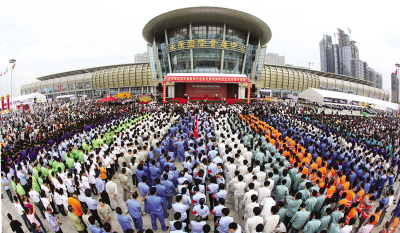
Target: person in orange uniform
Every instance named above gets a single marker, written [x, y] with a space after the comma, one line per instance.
[351, 196]
[74, 202]
[394, 225]
[353, 213]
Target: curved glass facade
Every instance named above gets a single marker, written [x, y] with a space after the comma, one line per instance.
[206, 48]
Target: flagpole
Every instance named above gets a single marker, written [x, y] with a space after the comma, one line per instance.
[12, 61]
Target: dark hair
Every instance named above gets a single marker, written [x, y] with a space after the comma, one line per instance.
[107, 226]
[225, 211]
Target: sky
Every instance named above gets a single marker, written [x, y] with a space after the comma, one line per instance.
[48, 37]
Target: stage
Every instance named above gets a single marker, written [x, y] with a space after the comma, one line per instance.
[184, 101]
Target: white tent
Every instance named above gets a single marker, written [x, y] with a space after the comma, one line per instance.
[29, 98]
[65, 96]
[325, 96]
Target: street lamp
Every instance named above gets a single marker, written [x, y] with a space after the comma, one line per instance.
[397, 88]
[12, 61]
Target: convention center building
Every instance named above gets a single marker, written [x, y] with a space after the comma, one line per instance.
[202, 52]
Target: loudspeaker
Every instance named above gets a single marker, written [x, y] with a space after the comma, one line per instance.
[159, 87]
[253, 89]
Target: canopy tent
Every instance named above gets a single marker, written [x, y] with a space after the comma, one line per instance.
[107, 99]
[65, 96]
[29, 98]
[325, 96]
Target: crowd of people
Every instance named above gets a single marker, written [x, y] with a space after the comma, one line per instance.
[263, 167]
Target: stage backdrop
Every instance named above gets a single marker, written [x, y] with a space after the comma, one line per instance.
[210, 89]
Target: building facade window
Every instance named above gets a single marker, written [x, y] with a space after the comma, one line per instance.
[88, 85]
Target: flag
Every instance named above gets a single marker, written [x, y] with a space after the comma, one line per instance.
[196, 128]
[395, 72]
[1, 74]
[13, 66]
[6, 71]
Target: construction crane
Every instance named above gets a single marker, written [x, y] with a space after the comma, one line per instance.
[309, 63]
[350, 31]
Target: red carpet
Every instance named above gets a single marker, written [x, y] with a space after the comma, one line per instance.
[228, 100]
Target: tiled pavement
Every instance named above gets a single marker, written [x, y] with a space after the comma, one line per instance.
[67, 226]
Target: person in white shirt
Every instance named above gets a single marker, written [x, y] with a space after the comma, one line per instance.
[264, 192]
[34, 195]
[248, 194]
[271, 221]
[267, 203]
[252, 222]
[58, 201]
[238, 192]
[248, 208]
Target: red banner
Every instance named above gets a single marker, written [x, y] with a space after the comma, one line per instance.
[2, 103]
[248, 92]
[196, 127]
[164, 93]
[218, 79]
[8, 102]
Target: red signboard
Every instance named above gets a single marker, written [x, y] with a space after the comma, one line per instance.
[206, 89]
[164, 97]
[248, 92]
[219, 79]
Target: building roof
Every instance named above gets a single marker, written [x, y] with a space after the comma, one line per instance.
[207, 15]
[328, 75]
[83, 71]
[317, 95]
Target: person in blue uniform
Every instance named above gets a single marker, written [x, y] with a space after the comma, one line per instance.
[135, 211]
[155, 172]
[180, 149]
[155, 209]
[144, 191]
[161, 193]
[169, 190]
[123, 220]
[92, 227]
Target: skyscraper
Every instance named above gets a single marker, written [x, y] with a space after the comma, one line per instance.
[274, 59]
[358, 68]
[344, 58]
[395, 88]
[378, 80]
[326, 54]
[141, 57]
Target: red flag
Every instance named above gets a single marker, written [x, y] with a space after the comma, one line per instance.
[196, 128]
[395, 72]
[13, 66]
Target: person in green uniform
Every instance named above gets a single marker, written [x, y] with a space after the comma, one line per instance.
[300, 218]
[325, 219]
[293, 204]
[20, 189]
[313, 225]
[335, 227]
[70, 162]
[43, 169]
[35, 170]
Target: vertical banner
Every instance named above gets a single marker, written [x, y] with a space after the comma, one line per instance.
[248, 92]
[2, 103]
[8, 102]
[164, 92]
